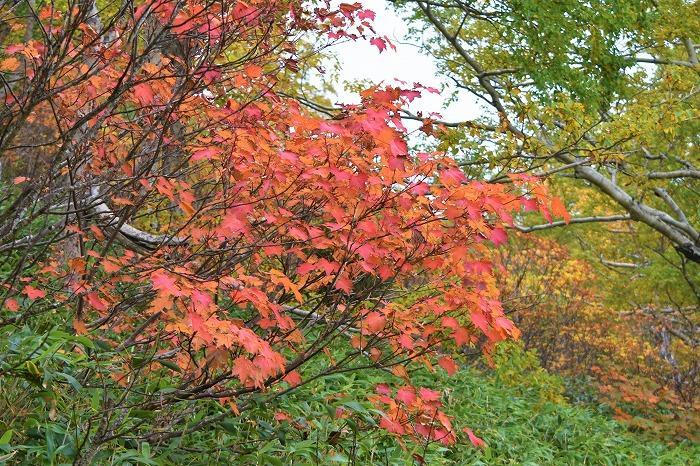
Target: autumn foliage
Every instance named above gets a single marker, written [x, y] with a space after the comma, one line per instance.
[556, 301]
[200, 223]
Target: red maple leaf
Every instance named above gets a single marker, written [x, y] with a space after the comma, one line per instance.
[476, 441]
[448, 364]
[33, 293]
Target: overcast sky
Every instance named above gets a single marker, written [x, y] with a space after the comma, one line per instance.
[361, 60]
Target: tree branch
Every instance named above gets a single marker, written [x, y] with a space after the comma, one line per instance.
[674, 174]
[559, 223]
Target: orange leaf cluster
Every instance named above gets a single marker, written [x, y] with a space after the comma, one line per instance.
[262, 219]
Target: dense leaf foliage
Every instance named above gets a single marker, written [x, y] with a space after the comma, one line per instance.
[200, 226]
[600, 98]
[198, 259]
[559, 305]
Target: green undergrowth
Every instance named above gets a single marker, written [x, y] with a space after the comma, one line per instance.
[518, 409]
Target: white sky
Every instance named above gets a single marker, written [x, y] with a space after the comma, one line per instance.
[362, 61]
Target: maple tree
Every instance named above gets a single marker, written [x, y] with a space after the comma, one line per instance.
[187, 220]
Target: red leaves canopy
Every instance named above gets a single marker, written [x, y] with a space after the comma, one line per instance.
[264, 217]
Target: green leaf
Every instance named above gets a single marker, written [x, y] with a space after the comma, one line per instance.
[71, 380]
[6, 437]
[170, 365]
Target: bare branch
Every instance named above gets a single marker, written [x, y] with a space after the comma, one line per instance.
[624, 265]
[662, 61]
[559, 223]
[672, 204]
[674, 174]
